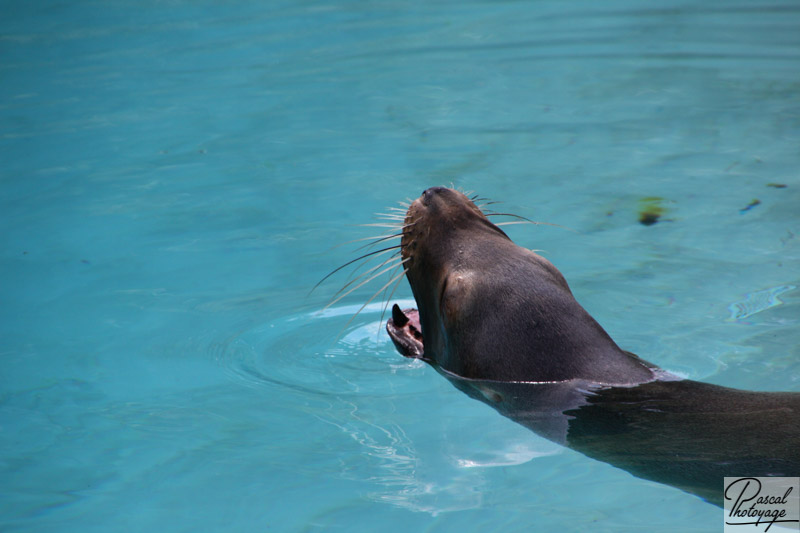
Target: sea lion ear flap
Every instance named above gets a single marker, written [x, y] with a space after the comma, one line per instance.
[456, 295]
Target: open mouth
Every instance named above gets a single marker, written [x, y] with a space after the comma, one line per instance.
[405, 331]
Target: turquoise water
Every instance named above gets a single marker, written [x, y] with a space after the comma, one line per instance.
[175, 174]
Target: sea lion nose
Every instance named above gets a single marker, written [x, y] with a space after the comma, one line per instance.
[428, 194]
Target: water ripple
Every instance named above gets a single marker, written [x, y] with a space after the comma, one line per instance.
[414, 441]
[758, 301]
[308, 353]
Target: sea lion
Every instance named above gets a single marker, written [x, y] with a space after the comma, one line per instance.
[500, 322]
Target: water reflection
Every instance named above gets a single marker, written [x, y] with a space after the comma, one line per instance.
[682, 433]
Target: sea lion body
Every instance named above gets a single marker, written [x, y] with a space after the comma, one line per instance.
[490, 309]
[501, 323]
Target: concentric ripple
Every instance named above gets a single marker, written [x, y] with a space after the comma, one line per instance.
[411, 438]
[310, 352]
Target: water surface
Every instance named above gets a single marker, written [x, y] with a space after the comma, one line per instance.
[174, 175]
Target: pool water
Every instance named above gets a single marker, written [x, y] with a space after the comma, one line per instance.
[176, 175]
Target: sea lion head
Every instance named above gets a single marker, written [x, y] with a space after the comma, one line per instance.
[446, 241]
[489, 309]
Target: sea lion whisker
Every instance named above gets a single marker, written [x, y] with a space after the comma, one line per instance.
[374, 252]
[536, 224]
[396, 278]
[391, 214]
[524, 220]
[398, 227]
[390, 259]
[389, 298]
[364, 283]
[355, 275]
[496, 214]
[378, 237]
[379, 225]
[376, 240]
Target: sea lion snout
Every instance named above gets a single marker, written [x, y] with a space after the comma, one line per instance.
[428, 194]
